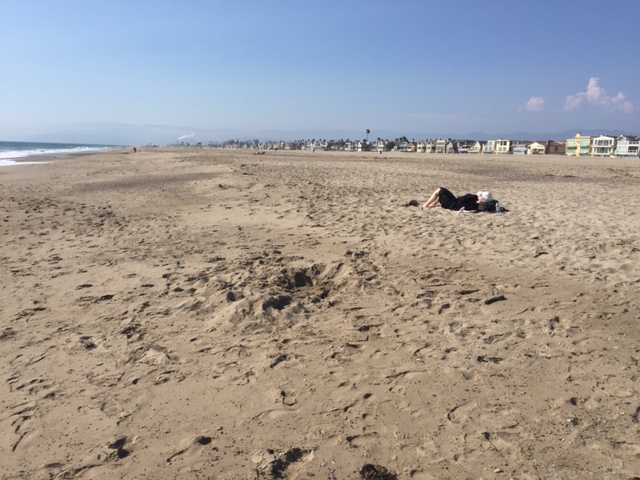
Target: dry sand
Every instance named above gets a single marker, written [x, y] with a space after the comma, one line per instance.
[198, 314]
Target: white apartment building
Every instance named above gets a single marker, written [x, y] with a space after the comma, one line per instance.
[627, 146]
[603, 146]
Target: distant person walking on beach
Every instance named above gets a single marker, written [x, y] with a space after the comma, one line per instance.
[481, 202]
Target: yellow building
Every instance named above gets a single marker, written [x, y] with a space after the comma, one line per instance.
[578, 146]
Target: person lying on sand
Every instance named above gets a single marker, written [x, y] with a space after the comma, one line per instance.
[481, 202]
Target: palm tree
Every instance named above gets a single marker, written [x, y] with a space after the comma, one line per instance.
[368, 132]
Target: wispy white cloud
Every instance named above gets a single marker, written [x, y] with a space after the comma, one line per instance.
[535, 104]
[596, 95]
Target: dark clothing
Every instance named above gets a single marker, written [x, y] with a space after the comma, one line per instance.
[449, 201]
[468, 201]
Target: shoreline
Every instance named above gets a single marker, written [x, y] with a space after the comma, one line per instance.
[44, 156]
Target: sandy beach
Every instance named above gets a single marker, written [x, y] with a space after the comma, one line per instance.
[196, 314]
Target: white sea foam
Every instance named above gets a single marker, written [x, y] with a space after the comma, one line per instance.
[53, 152]
[10, 163]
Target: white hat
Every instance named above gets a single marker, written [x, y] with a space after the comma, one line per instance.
[485, 196]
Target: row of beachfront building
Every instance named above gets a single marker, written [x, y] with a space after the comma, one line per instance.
[580, 145]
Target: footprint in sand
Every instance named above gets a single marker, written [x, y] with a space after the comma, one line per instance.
[193, 447]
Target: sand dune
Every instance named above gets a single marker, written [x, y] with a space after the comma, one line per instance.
[214, 314]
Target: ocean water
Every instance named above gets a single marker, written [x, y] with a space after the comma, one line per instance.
[20, 153]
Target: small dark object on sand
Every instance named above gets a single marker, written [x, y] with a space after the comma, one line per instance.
[412, 203]
[376, 472]
[499, 298]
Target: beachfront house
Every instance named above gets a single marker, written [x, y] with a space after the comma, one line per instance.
[503, 146]
[411, 147]
[477, 147]
[348, 146]
[381, 145]
[603, 146]
[519, 147]
[548, 147]
[578, 146]
[555, 148]
[536, 148]
[489, 147]
[464, 146]
[627, 146]
[497, 146]
[426, 146]
[445, 146]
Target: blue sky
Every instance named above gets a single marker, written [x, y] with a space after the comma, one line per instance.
[454, 66]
